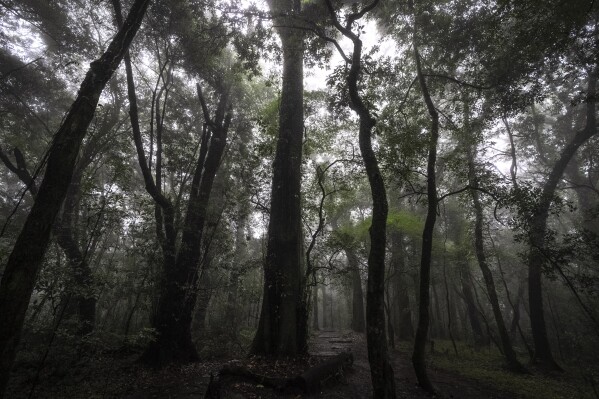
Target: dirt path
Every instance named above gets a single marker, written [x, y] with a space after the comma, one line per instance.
[356, 383]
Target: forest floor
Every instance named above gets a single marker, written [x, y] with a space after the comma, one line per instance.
[118, 375]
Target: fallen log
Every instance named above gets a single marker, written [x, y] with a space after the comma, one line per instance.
[309, 382]
[237, 370]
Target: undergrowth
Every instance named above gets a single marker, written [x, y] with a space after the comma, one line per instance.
[487, 366]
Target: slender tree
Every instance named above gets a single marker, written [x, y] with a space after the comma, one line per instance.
[506, 343]
[383, 380]
[358, 322]
[419, 354]
[401, 304]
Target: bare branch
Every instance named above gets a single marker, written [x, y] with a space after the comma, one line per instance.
[457, 81]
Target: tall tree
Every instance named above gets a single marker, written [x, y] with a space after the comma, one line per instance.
[282, 329]
[419, 354]
[481, 256]
[180, 264]
[537, 255]
[383, 380]
[27, 255]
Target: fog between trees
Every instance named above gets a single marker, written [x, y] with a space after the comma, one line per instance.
[171, 188]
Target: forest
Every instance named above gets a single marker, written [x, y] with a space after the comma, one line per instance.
[299, 198]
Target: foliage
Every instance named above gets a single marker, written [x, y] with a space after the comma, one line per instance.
[485, 365]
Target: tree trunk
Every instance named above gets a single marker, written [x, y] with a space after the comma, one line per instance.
[63, 230]
[404, 328]
[204, 294]
[180, 285]
[516, 312]
[180, 272]
[471, 310]
[358, 322]
[437, 329]
[588, 202]
[506, 343]
[538, 230]
[419, 354]
[326, 316]
[383, 380]
[241, 254]
[315, 324]
[27, 255]
[282, 328]
[82, 291]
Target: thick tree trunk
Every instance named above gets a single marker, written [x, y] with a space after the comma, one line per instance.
[538, 230]
[358, 322]
[27, 255]
[282, 328]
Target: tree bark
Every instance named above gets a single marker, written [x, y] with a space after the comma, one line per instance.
[27, 255]
[282, 328]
